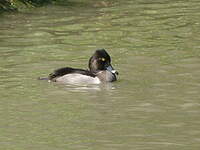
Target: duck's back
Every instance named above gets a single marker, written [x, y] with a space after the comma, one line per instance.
[69, 75]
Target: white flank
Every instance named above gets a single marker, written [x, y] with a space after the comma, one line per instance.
[78, 79]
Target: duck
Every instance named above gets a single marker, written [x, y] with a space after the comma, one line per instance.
[100, 71]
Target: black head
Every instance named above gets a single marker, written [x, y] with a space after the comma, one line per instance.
[100, 60]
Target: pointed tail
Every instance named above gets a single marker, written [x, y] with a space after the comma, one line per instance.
[43, 78]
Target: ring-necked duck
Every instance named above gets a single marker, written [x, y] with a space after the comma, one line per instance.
[100, 70]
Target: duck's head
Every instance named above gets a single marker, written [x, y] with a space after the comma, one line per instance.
[101, 61]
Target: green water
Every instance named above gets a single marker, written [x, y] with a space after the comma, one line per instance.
[155, 104]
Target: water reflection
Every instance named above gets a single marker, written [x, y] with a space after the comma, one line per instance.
[88, 87]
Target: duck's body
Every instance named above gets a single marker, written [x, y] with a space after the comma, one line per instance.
[100, 70]
[76, 78]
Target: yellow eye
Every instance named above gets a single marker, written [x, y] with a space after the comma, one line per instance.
[103, 59]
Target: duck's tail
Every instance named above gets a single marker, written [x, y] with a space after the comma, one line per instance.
[43, 78]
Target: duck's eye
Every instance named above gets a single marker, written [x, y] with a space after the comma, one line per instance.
[102, 59]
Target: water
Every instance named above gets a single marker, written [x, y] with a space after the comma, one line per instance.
[155, 103]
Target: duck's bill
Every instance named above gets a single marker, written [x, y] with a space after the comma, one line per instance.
[111, 69]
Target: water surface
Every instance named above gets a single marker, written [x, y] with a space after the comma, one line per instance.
[155, 103]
